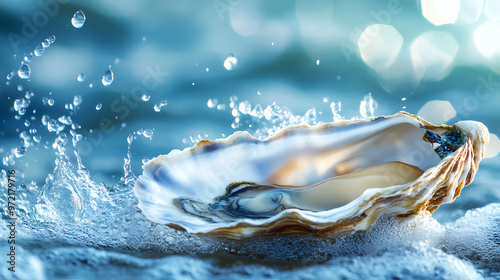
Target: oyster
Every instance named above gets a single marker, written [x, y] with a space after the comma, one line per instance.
[330, 178]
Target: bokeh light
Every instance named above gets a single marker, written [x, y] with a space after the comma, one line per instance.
[433, 53]
[379, 46]
[440, 12]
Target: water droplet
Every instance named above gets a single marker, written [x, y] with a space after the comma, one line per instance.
[158, 106]
[144, 38]
[27, 123]
[245, 107]
[45, 43]
[51, 39]
[19, 152]
[317, 62]
[130, 139]
[29, 94]
[39, 50]
[91, 85]
[78, 19]
[232, 101]
[236, 123]
[221, 107]
[211, 103]
[54, 126]
[235, 113]
[367, 106]
[107, 78]
[325, 99]
[192, 84]
[336, 107]
[98, 106]
[37, 138]
[144, 160]
[81, 77]
[11, 75]
[146, 97]
[28, 57]
[117, 60]
[65, 120]
[206, 69]
[403, 99]
[50, 101]
[20, 104]
[259, 92]
[310, 116]
[257, 112]
[20, 87]
[148, 133]
[77, 100]
[230, 62]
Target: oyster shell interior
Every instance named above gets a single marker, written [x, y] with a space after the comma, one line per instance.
[329, 178]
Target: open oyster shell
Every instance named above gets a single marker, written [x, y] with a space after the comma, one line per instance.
[330, 178]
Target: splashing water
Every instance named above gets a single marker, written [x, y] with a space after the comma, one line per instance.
[93, 226]
[78, 19]
[97, 221]
[336, 107]
[264, 123]
[367, 106]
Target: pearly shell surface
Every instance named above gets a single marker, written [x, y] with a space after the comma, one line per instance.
[330, 178]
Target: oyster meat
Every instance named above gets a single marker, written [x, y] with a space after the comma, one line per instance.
[330, 178]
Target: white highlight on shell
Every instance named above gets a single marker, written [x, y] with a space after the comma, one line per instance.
[379, 46]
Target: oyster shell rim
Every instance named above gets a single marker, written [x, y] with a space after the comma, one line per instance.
[291, 221]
